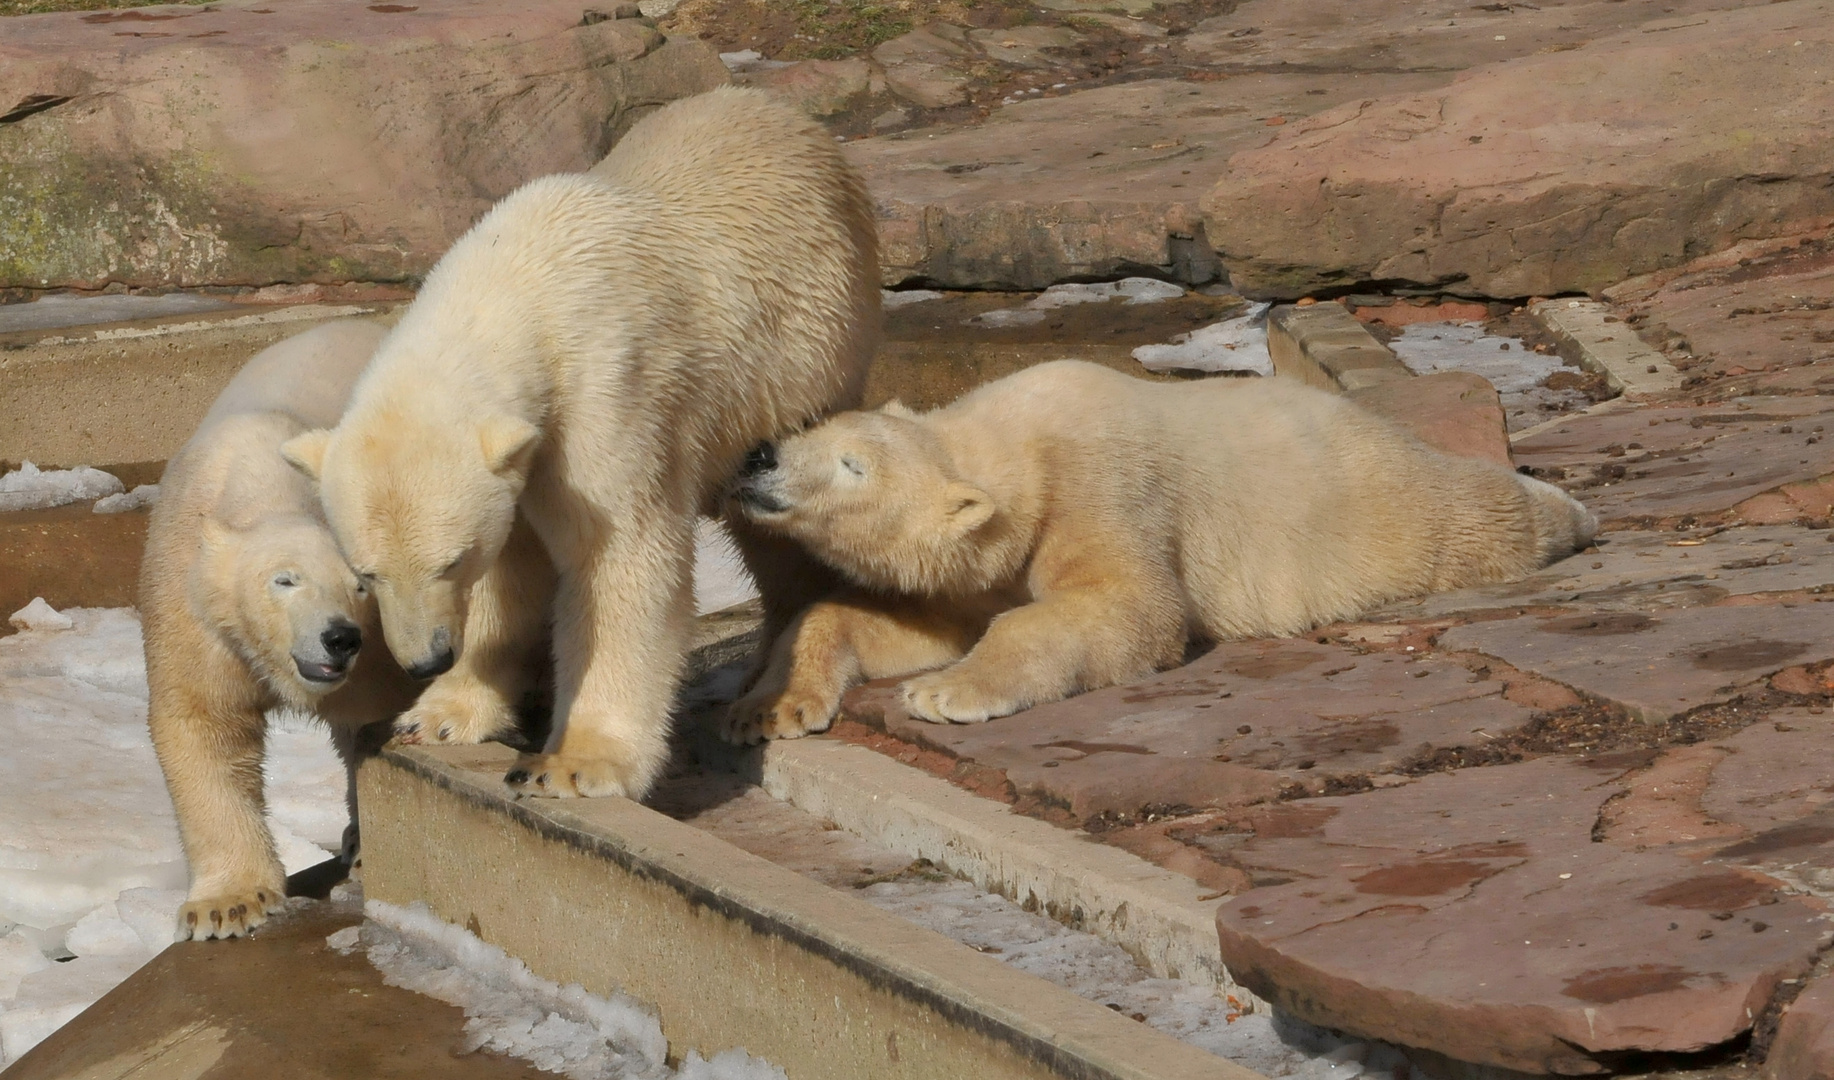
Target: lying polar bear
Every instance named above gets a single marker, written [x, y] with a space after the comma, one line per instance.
[1068, 528]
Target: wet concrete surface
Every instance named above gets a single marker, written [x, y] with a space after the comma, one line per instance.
[280, 1004]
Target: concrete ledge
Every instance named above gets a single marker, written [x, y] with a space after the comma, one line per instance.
[1161, 917]
[1324, 345]
[1608, 345]
[729, 949]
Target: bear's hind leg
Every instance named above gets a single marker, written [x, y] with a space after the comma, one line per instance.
[505, 651]
[833, 646]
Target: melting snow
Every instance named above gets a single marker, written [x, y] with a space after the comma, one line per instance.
[1238, 344]
[31, 488]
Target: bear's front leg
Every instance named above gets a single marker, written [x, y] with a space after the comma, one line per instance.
[835, 645]
[505, 650]
[211, 753]
[1063, 644]
[621, 621]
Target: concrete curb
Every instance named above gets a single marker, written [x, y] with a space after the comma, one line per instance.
[727, 948]
[1325, 346]
[1606, 344]
[1164, 919]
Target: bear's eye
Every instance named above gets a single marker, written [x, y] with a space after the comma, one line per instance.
[285, 580]
[853, 466]
[452, 567]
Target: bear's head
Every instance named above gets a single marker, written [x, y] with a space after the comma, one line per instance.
[290, 604]
[421, 506]
[876, 496]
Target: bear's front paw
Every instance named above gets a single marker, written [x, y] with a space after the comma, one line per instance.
[787, 715]
[562, 776]
[463, 712]
[944, 698]
[228, 914]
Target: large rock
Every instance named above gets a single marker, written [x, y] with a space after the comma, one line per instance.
[1477, 914]
[1562, 172]
[314, 140]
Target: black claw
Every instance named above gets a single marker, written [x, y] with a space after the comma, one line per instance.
[445, 731]
[516, 776]
[542, 779]
[408, 728]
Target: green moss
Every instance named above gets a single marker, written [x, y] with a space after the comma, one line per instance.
[845, 27]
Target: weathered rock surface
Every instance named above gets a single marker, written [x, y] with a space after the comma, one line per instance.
[1454, 411]
[1804, 1045]
[1675, 462]
[316, 140]
[1096, 184]
[1549, 173]
[1658, 665]
[1472, 913]
[1230, 728]
[1652, 571]
[928, 66]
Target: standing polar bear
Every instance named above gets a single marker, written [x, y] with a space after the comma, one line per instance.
[1068, 528]
[247, 605]
[600, 351]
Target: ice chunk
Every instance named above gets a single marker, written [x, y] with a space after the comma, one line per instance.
[47, 999]
[1238, 344]
[305, 783]
[19, 957]
[890, 299]
[31, 488]
[734, 1064]
[40, 616]
[1135, 290]
[151, 913]
[510, 1009]
[720, 577]
[102, 932]
[143, 495]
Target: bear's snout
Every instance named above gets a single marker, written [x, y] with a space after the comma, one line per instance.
[759, 459]
[437, 662]
[341, 641]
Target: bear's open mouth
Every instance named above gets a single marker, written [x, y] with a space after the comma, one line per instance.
[313, 671]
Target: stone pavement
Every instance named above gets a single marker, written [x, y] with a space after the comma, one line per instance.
[1577, 823]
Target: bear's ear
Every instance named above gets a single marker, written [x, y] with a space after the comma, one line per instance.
[966, 507]
[307, 452]
[506, 441]
[897, 408]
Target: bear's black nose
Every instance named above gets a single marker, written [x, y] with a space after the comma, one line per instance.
[437, 664]
[761, 458]
[341, 641]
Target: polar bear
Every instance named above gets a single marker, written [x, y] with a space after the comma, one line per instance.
[1068, 528]
[247, 605]
[600, 351]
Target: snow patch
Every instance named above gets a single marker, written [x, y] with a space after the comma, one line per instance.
[1516, 371]
[720, 577]
[1134, 290]
[31, 488]
[891, 300]
[1238, 345]
[39, 615]
[511, 1010]
[142, 495]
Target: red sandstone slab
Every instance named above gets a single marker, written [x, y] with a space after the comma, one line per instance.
[1804, 1046]
[1650, 570]
[1472, 913]
[1229, 728]
[1657, 665]
[1453, 411]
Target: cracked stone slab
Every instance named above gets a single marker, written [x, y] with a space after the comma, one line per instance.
[1472, 913]
[1662, 463]
[1092, 185]
[1644, 571]
[1232, 727]
[1804, 1046]
[1552, 173]
[1605, 343]
[1657, 665]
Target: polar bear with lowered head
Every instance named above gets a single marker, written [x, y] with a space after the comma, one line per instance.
[246, 606]
[600, 351]
[1068, 528]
